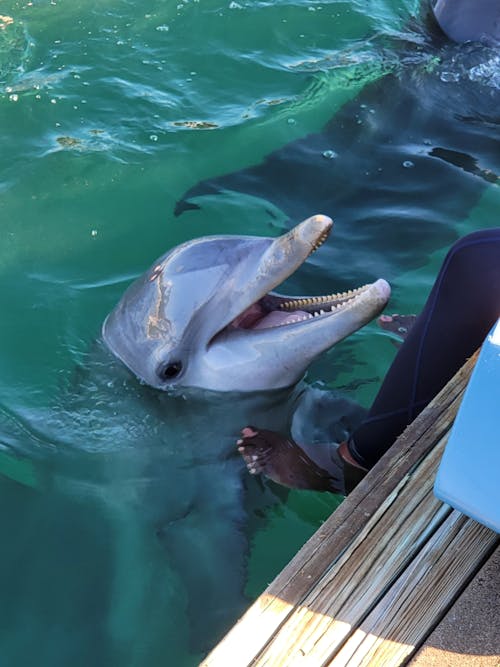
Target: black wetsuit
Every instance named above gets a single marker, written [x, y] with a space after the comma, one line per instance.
[462, 307]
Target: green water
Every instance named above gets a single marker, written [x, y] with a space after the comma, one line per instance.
[130, 535]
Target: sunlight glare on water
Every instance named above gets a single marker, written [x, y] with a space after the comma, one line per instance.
[132, 536]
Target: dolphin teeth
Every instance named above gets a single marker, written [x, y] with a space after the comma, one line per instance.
[320, 241]
[341, 299]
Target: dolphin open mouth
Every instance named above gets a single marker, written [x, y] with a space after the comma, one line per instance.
[274, 310]
[271, 310]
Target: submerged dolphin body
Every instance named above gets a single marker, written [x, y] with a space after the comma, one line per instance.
[468, 20]
[204, 315]
[398, 166]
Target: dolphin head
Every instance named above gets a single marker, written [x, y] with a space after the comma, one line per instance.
[469, 20]
[204, 315]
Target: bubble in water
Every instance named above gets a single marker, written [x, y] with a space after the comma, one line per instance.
[13, 97]
[153, 137]
[329, 154]
[162, 28]
[449, 77]
[235, 5]
[93, 233]
[408, 164]
[487, 73]
[291, 121]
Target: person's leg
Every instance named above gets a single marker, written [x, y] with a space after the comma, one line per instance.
[462, 307]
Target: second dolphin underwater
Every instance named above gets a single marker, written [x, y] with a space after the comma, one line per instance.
[415, 149]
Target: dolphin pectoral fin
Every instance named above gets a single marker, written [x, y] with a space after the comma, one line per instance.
[465, 162]
[285, 462]
[201, 189]
[184, 205]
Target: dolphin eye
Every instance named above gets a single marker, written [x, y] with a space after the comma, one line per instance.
[170, 370]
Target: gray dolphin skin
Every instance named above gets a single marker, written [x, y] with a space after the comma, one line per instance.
[466, 21]
[204, 315]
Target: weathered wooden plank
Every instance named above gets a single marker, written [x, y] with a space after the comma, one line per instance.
[338, 531]
[416, 602]
[354, 583]
[323, 553]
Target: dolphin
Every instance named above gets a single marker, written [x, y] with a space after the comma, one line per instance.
[204, 315]
[400, 164]
[468, 20]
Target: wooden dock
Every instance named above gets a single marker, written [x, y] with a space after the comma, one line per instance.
[380, 573]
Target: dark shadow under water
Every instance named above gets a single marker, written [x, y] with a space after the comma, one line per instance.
[396, 168]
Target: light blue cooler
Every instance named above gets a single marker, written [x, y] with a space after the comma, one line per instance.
[468, 478]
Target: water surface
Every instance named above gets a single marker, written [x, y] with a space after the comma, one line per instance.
[131, 533]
